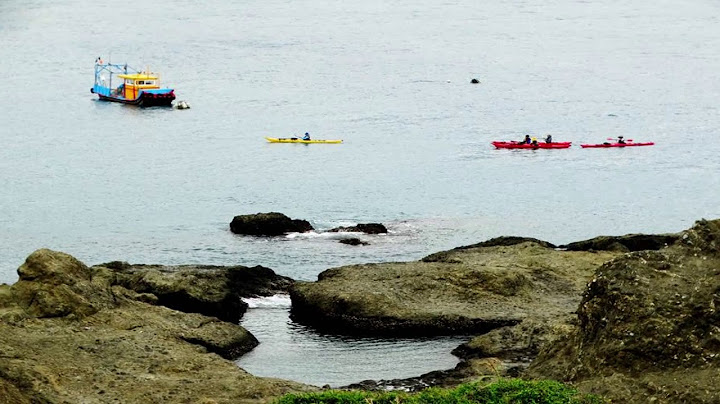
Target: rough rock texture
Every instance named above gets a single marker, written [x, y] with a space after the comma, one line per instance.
[68, 334]
[472, 370]
[649, 328]
[210, 290]
[367, 228]
[626, 243]
[507, 241]
[517, 344]
[470, 290]
[268, 224]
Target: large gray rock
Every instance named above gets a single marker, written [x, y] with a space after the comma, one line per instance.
[472, 290]
[648, 326]
[626, 243]
[206, 289]
[507, 241]
[268, 224]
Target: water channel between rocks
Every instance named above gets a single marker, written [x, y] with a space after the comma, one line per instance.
[294, 352]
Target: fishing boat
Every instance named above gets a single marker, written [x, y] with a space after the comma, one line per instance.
[299, 140]
[539, 145]
[121, 83]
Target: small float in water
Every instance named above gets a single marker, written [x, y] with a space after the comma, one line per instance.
[121, 83]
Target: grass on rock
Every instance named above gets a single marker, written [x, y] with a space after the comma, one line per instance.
[504, 391]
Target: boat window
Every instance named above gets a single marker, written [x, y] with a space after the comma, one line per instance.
[129, 81]
[141, 82]
[149, 82]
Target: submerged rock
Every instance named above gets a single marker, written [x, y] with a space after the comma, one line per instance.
[353, 241]
[367, 228]
[268, 224]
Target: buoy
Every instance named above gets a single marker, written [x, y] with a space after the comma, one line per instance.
[183, 105]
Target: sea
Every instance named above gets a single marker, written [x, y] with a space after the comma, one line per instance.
[392, 79]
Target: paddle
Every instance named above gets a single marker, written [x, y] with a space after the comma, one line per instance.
[615, 139]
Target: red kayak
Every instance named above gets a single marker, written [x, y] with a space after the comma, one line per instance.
[627, 144]
[539, 145]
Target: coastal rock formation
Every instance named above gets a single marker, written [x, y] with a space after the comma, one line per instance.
[71, 334]
[626, 243]
[472, 370]
[648, 326]
[268, 224]
[206, 289]
[467, 290]
[507, 241]
[367, 228]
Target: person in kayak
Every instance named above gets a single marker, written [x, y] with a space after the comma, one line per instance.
[548, 138]
[621, 140]
[534, 141]
[306, 136]
[527, 140]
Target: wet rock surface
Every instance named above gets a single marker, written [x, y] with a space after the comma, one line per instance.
[268, 224]
[70, 334]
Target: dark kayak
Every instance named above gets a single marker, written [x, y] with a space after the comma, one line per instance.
[540, 145]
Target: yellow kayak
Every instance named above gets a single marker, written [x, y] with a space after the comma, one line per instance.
[299, 140]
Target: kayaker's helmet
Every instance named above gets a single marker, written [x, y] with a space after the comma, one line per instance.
[306, 133]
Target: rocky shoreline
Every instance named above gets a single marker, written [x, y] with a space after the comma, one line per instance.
[630, 317]
[71, 333]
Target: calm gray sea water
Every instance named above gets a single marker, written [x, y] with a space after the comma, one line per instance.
[108, 182]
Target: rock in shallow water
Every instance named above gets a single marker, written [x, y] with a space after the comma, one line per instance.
[268, 224]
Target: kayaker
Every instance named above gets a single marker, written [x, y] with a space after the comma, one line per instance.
[621, 140]
[548, 139]
[527, 140]
[534, 141]
[306, 136]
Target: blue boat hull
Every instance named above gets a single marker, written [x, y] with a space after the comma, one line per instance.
[146, 98]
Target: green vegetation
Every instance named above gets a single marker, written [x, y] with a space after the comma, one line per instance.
[508, 391]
